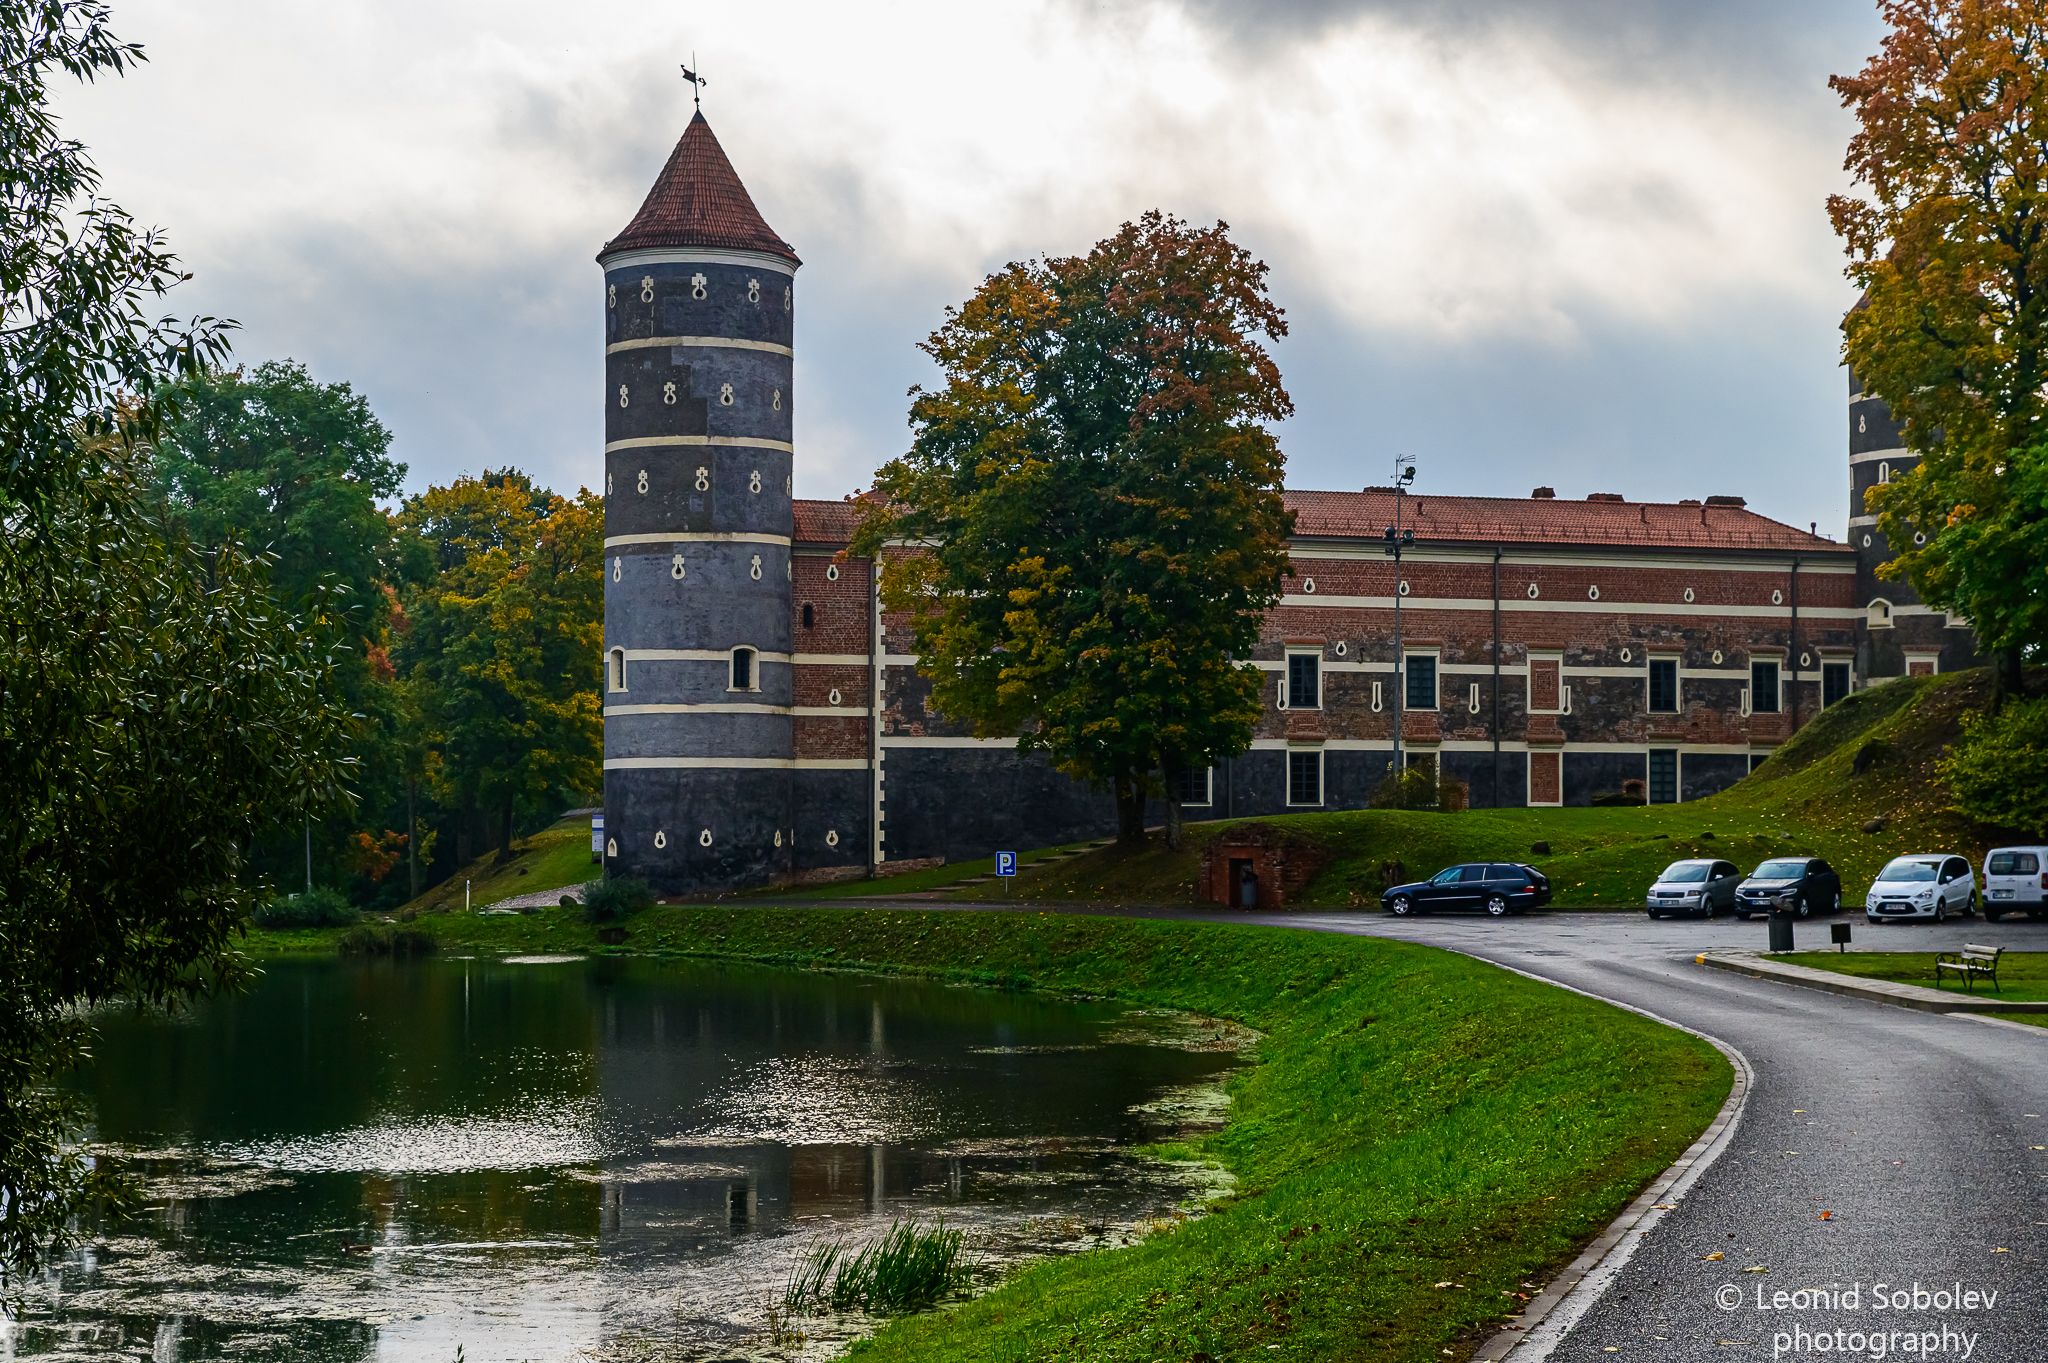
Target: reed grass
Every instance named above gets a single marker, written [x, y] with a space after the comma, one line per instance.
[908, 1268]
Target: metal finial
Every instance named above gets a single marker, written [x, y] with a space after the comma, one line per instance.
[697, 83]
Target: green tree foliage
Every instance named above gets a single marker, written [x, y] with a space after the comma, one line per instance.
[1999, 769]
[155, 709]
[1097, 497]
[77, 347]
[1947, 244]
[501, 651]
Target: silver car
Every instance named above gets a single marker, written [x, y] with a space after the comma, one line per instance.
[1700, 888]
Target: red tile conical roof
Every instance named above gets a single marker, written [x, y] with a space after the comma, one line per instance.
[698, 201]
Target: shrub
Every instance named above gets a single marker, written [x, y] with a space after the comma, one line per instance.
[909, 1268]
[387, 939]
[1618, 799]
[1998, 769]
[615, 898]
[1411, 788]
[317, 908]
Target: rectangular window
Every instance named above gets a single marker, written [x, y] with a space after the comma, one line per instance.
[1421, 692]
[1424, 762]
[1834, 682]
[1304, 681]
[1194, 786]
[1305, 776]
[1763, 686]
[1664, 686]
[1663, 776]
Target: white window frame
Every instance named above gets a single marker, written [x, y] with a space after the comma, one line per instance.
[1294, 651]
[1749, 706]
[1827, 662]
[1322, 787]
[1677, 774]
[1547, 655]
[1436, 674]
[753, 668]
[1871, 617]
[1529, 757]
[615, 671]
[1677, 683]
[1923, 655]
[1208, 799]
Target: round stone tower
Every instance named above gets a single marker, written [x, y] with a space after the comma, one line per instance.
[698, 311]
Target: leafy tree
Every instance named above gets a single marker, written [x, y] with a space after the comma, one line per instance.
[157, 711]
[502, 647]
[1996, 768]
[296, 469]
[1099, 500]
[1948, 248]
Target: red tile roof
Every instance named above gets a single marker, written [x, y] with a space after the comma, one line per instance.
[1545, 520]
[826, 522]
[698, 201]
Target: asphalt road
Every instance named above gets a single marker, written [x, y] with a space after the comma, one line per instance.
[1922, 1135]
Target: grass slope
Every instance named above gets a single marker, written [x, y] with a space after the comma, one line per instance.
[1423, 1133]
[1807, 799]
[555, 858]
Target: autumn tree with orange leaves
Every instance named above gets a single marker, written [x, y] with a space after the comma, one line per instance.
[1098, 496]
[1946, 239]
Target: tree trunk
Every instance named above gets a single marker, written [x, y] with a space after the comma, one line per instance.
[1172, 810]
[505, 831]
[465, 832]
[1130, 812]
[2009, 675]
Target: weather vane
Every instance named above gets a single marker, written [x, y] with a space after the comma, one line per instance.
[697, 84]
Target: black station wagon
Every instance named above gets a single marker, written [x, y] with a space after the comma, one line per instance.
[1498, 887]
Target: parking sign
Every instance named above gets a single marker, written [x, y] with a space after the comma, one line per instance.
[1006, 863]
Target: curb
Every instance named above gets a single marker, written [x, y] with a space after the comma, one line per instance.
[1881, 991]
[1567, 1297]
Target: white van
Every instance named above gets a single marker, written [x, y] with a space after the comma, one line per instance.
[2016, 881]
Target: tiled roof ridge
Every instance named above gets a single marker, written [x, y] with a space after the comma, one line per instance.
[698, 201]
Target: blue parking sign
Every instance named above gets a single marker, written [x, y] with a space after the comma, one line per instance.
[1006, 863]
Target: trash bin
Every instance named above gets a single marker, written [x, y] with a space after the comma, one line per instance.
[1781, 930]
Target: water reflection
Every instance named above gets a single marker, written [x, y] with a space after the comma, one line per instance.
[559, 1159]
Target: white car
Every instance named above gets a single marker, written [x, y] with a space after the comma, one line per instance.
[1932, 886]
[2016, 881]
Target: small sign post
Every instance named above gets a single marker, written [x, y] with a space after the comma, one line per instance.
[1006, 868]
[596, 838]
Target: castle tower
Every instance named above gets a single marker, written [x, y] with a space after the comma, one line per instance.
[698, 311]
[1900, 634]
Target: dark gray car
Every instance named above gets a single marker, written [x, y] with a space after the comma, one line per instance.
[1700, 887]
[1795, 885]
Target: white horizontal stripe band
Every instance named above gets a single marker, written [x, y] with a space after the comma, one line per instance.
[735, 763]
[656, 255]
[720, 342]
[1306, 551]
[1895, 453]
[744, 442]
[831, 660]
[697, 655]
[1385, 745]
[1568, 606]
[929, 741]
[690, 537]
[738, 708]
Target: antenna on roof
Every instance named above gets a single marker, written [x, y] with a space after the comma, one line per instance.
[697, 83]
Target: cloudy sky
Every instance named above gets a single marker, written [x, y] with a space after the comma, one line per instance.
[1573, 242]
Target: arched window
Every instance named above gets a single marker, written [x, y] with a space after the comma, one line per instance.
[1878, 615]
[1884, 470]
[809, 618]
[743, 676]
[618, 669]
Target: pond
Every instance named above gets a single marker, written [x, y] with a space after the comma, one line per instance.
[551, 1159]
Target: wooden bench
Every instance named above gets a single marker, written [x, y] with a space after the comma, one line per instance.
[1973, 963]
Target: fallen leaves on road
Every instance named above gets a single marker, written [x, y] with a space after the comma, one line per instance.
[1756, 1268]
[1827, 1216]
[1716, 1257]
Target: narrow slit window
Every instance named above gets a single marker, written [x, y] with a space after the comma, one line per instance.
[1664, 686]
[743, 671]
[618, 669]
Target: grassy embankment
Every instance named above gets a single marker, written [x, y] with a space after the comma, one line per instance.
[556, 858]
[2022, 975]
[1422, 1133]
[1808, 798]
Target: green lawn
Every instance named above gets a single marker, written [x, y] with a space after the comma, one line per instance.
[1421, 1135]
[2022, 975]
[555, 858]
[923, 881]
[1808, 798]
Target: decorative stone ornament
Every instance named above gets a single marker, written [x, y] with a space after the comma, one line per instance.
[1688, 595]
[1534, 591]
[753, 290]
[640, 483]
[611, 295]
[704, 838]
[1402, 586]
[831, 572]
[675, 567]
[668, 393]
[725, 395]
[607, 485]
[785, 298]
[1860, 426]
[1339, 648]
[1866, 539]
[778, 837]
[832, 698]
[775, 402]
[660, 839]
[697, 286]
[1717, 657]
[618, 569]
[1592, 593]
[1806, 660]
[1308, 585]
[754, 481]
[1777, 597]
[831, 837]
[622, 395]
[703, 478]
[756, 570]
[647, 288]
[1628, 655]
[611, 847]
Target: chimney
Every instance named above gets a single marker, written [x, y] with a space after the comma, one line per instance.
[1736, 502]
[1605, 497]
[1544, 493]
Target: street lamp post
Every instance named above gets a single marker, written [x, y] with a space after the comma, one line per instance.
[1397, 540]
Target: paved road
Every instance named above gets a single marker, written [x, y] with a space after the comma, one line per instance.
[1921, 1134]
